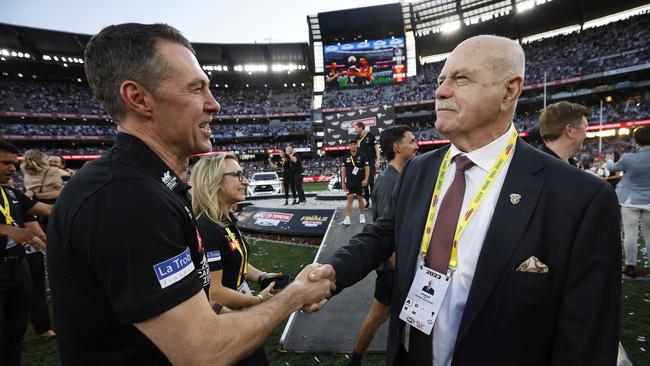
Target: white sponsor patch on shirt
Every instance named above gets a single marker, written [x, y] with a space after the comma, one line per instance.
[213, 256]
[174, 269]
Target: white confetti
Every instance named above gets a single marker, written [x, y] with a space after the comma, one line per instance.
[642, 349]
[630, 313]
[317, 360]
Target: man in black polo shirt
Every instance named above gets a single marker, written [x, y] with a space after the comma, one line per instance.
[355, 177]
[370, 149]
[15, 279]
[126, 262]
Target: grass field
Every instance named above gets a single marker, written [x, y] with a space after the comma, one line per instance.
[315, 186]
[290, 259]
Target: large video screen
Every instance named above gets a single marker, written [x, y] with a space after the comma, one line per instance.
[371, 62]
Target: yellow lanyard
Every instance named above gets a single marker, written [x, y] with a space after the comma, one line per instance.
[474, 203]
[5, 209]
[352, 159]
[244, 255]
[361, 140]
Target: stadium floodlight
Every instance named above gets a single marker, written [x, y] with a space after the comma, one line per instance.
[56, 58]
[524, 6]
[4, 53]
[78, 80]
[2, 58]
[238, 68]
[20, 75]
[14, 54]
[285, 85]
[226, 86]
[450, 27]
[65, 64]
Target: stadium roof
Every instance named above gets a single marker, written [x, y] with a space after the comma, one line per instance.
[39, 42]
[515, 19]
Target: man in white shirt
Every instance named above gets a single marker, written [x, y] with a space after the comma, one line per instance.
[532, 275]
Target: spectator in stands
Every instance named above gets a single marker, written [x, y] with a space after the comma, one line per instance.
[634, 196]
[563, 127]
[218, 184]
[398, 145]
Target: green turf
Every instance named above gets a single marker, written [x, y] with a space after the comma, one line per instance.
[315, 186]
[290, 259]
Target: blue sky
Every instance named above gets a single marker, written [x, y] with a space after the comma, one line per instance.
[206, 21]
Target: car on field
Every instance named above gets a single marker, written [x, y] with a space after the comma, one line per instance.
[265, 183]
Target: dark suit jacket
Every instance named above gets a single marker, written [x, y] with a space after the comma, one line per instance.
[566, 218]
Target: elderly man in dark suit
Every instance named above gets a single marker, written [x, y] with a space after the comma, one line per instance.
[524, 250]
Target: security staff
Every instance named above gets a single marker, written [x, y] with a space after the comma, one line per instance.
[15, 280]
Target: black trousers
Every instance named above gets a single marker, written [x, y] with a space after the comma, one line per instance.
[289, 182]
[15, 297]
[367, 190]
[297, 177]
[39, 314]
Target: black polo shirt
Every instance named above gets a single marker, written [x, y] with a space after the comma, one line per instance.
[223, 253]
[367, 147]
[19, 204]
[351, 162]
[123, 247]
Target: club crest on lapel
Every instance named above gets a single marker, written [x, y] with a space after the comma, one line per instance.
[515, 198]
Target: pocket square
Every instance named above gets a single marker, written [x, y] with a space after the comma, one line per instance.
[533, 265]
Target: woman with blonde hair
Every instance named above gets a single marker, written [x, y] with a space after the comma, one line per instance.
[42, 181]
[218, 183]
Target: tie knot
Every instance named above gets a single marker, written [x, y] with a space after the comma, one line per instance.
[463, 163]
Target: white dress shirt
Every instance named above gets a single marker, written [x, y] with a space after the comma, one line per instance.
[445, 329]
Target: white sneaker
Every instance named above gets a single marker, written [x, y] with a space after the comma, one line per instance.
[346, 221]
[362, 219]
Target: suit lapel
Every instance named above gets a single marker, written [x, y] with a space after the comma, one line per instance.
[508, 224]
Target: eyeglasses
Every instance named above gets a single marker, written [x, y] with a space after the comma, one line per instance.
[239, 174]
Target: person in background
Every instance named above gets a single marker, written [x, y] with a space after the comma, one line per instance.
[57, 161]
[218, 184]
[633, 192]
[563, 127]
[42, 181]
[15, 278]
[288, 180]
[355, 173]
[370, 150]
[297, 173]
[398, 145]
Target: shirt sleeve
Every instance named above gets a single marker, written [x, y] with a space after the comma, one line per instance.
[136, 238]
[213, 242]
[25, 202]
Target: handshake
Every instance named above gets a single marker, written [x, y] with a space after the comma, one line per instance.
[313, 287]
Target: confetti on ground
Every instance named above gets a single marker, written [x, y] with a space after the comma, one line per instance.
[316, 358]
[642, 349]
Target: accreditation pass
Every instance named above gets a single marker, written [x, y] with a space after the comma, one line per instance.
[424, 300]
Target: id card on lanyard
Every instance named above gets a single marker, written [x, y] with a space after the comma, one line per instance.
[429, 287]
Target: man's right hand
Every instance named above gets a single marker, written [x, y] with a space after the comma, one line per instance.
[20, 235]
[313, 285]
[320, 272]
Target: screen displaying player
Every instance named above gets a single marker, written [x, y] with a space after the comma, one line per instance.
[370, 62]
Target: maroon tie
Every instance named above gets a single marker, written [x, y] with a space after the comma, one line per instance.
[439, 252]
